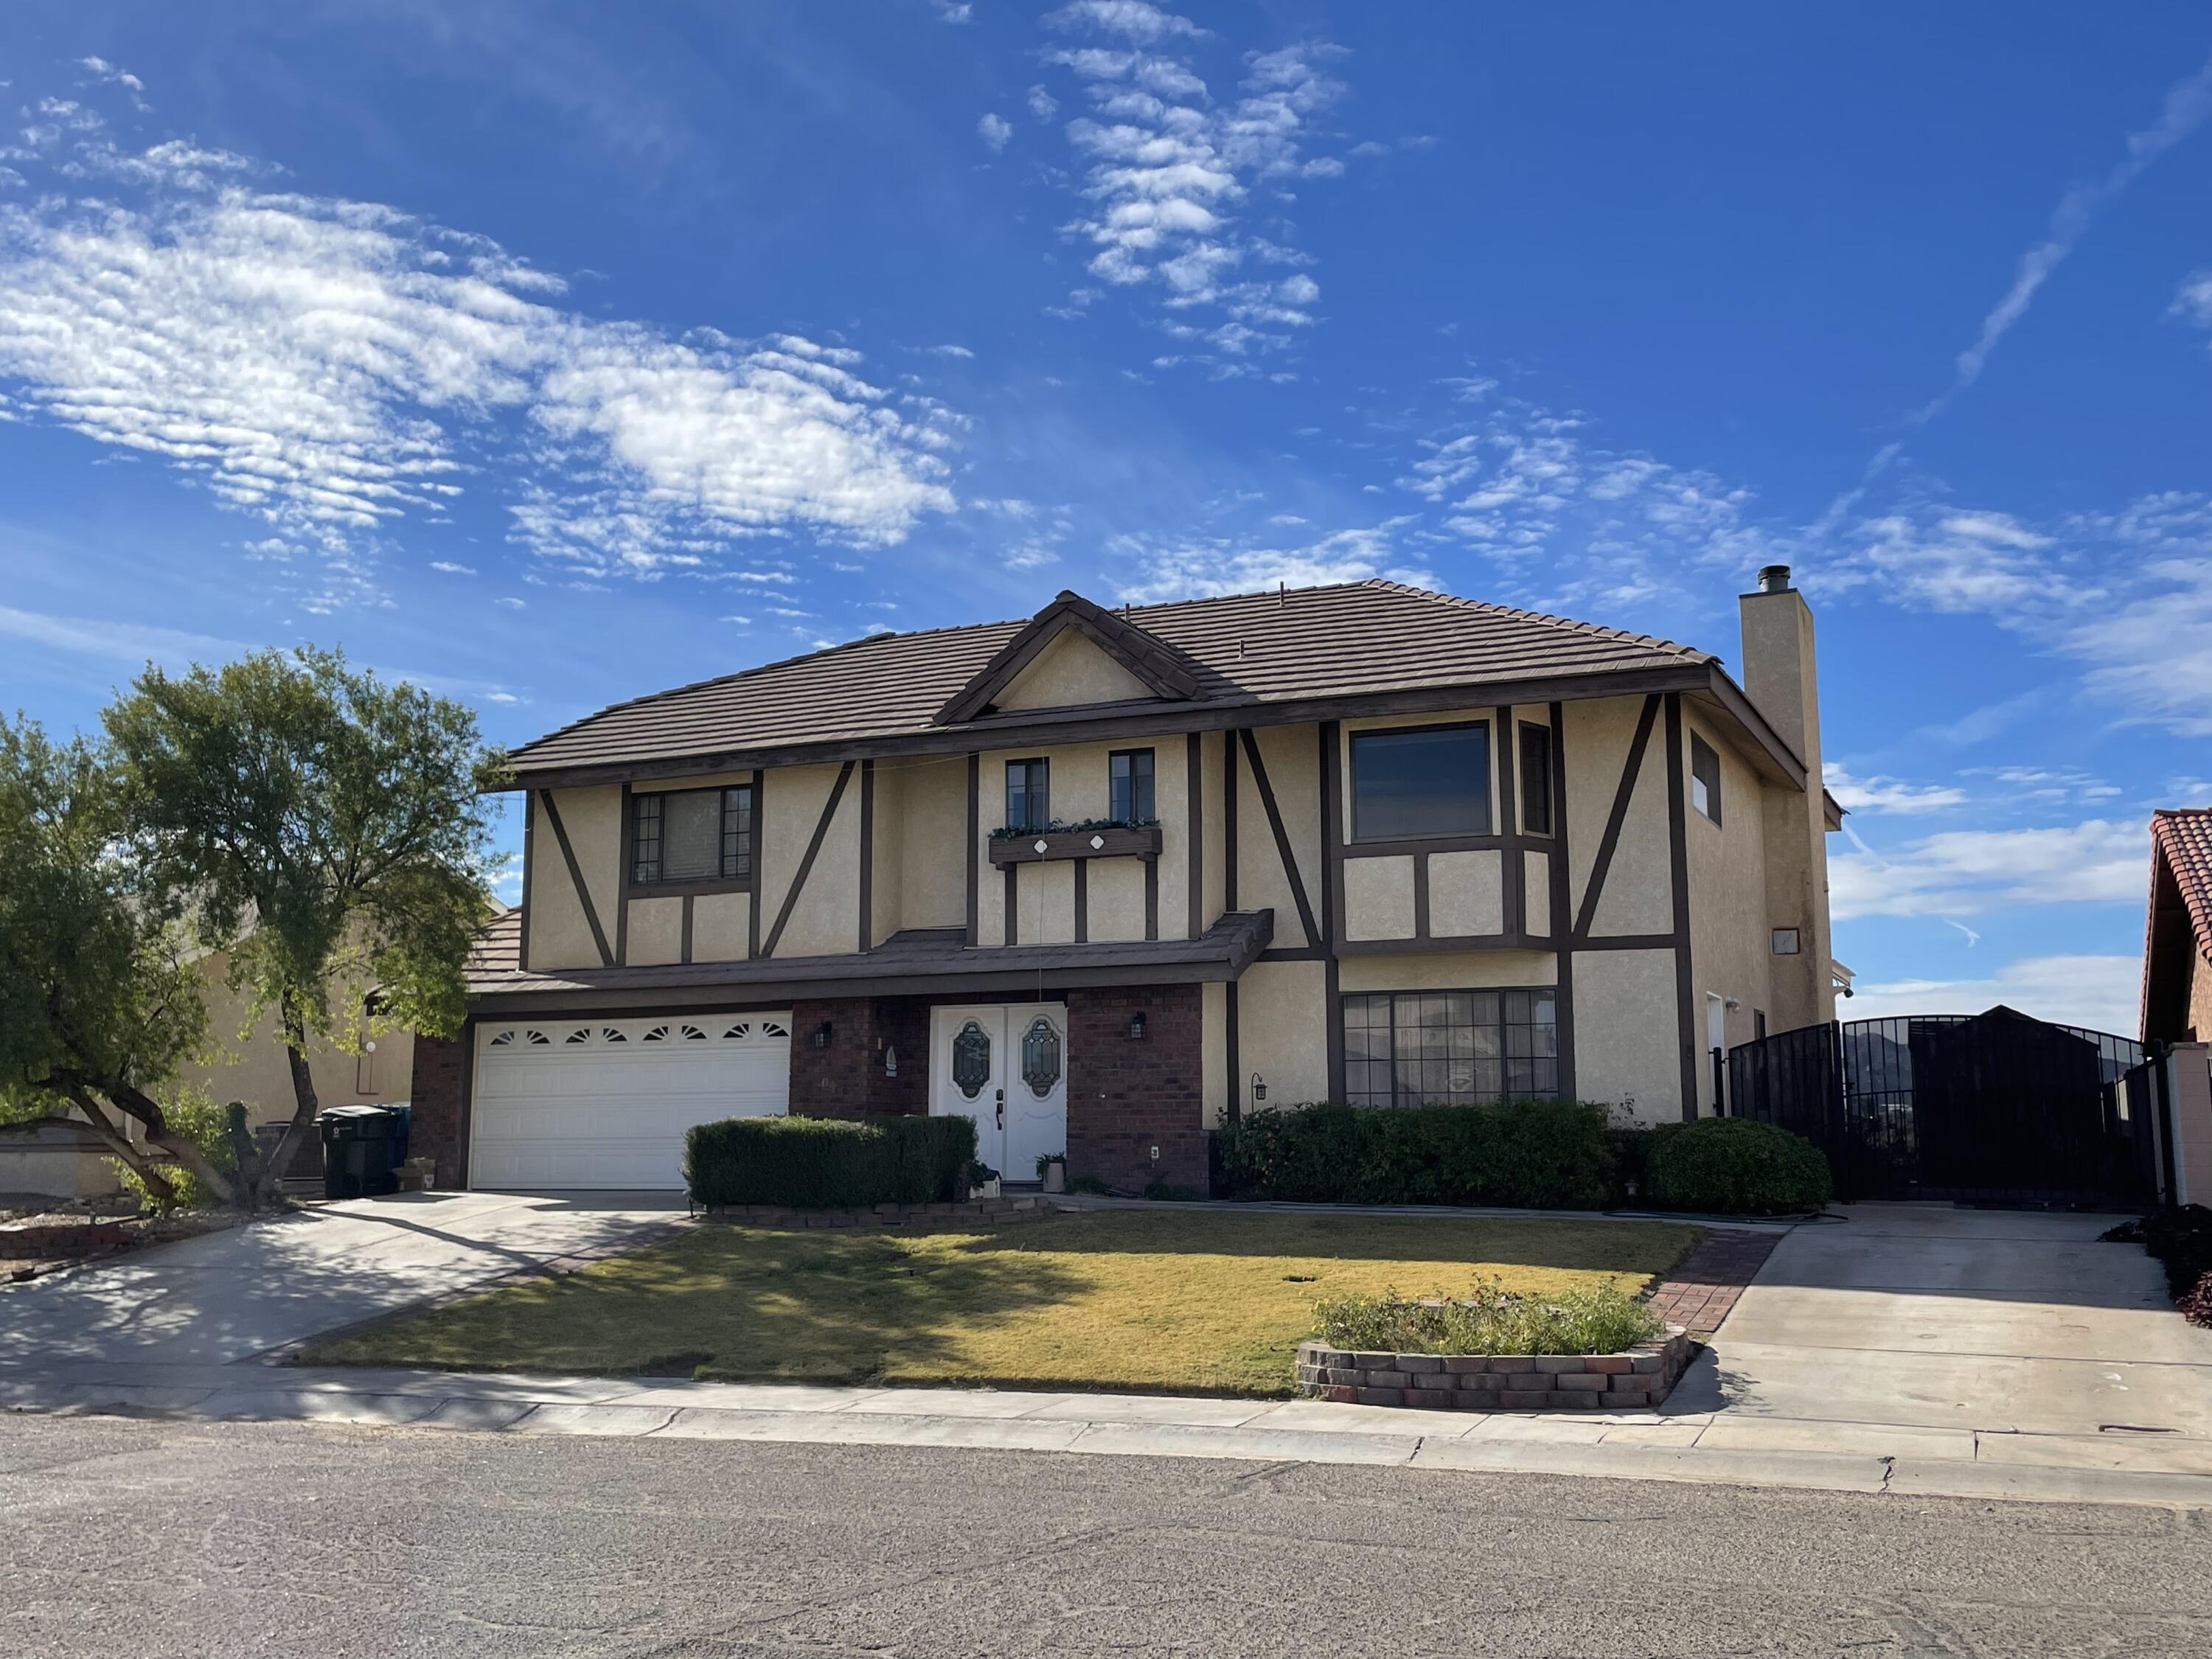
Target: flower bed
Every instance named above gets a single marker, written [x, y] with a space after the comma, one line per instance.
[1640, 1376]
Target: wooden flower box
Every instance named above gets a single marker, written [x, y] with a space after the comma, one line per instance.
[1048, 845]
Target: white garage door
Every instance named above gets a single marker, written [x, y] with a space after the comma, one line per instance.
[605, 1104]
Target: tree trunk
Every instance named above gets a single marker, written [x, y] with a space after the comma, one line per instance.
[154, 1178]
[268, 1186]
[160, 1135]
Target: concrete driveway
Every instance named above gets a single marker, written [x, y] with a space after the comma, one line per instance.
[227, 1296]
[1949, 1321]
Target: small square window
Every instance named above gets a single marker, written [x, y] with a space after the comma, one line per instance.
[1029, 794]
[1785, 941]
[1129, 785]
[1705, 778]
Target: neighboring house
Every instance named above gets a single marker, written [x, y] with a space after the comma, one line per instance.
[1360, 843]
[2177, 992]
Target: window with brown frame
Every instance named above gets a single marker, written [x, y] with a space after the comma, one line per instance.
[1535, 778]
[1450, 1048]
[1421, 781]
[1705, 778]
[692, 835]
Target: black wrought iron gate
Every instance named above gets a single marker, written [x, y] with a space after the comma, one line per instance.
[1993, 1109]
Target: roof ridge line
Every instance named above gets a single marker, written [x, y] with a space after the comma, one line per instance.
[1575, 625]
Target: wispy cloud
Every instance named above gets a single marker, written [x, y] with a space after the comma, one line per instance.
[2187, 103]
[1193, 568]
[121, 641]
[1175, 184]
[1966, 871]
[1880, 794]
[994, 129]
[333, 367]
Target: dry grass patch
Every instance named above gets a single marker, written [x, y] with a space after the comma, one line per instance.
[1199, 1301]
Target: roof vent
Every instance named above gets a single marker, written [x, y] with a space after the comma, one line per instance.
[1774, 579]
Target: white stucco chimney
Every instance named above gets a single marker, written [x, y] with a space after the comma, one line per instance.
[1781, 676]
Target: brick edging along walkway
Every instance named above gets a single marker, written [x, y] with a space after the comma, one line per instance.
[1702, 1290]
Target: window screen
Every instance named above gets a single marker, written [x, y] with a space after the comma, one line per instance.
[1705, 778]
[1434, 780]
[1029, 794]
[1450, 1048]
[1535, 779]
[1129, 785]
[692, 835]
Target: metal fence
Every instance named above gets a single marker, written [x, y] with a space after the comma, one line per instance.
[1993, 1108]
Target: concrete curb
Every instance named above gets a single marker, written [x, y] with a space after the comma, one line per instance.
[1870, 1458]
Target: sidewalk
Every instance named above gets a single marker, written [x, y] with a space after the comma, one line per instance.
[1701, 1446]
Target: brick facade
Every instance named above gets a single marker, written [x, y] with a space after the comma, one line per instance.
[1127, 1095]
[438, 1105]
[847, 1079]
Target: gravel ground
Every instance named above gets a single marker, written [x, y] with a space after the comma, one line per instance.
[140, 1538]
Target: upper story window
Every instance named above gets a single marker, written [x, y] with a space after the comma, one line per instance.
[1424, 780]
[1029, 794]
[692, 835]
[1705, 778]
[1129, 785]
[1535, 779]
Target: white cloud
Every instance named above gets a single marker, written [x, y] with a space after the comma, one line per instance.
[2102, 993]
[1967, 871]
[333, 367]
[2187, 103]
[954, 12]
[1132, 20]
[1195, 568]
[510, 602]
[2194, 299]
[131, 643]
[452, 569]
[1042, 104]
[960, 351]
[1880, 794]
[994, 129]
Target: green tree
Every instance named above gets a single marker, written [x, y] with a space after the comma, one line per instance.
[326, 829]
[100, 1004]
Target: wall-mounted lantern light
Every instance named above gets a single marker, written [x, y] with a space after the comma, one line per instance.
[890, 1059]
[822, 1035]
[1259, 1089]
[1137, 1026]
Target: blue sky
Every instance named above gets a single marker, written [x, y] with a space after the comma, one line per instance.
[554, 354]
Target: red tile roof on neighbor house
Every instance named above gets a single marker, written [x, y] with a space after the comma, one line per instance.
[1246, 649]
[2178, 925]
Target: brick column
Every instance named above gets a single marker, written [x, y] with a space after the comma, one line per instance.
[437, 1103]
[1128, 1095]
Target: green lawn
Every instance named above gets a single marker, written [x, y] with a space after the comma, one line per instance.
[1199, 1301]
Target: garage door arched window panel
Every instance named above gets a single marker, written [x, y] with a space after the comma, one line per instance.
[614, 1036]
[770, 1028]
[504, 1040]
[582, 1034]
[658, 1034]
[737, 1033]
[1041, 1054]
[971, 1059]
[693, 1034]
[538, 1039]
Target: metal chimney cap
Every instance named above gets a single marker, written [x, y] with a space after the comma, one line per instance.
[1774, 579]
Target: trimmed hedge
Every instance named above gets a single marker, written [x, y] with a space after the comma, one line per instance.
[1538, 1154]
[829, 1163]
[1734, 1166]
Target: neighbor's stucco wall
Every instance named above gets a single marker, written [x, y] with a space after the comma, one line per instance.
[1627, 1044]
[1069, 672]
[560, 936]
[251, 1064]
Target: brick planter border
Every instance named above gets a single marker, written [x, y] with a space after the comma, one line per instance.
[990, 1212]
[1644, 1376]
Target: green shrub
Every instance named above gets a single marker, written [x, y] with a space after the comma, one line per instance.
[1542, 1154]
[826, 1164]
[196, 1116]
[1732, 1166]
[1600, 1319]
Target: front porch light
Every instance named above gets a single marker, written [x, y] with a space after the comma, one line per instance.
[1259, 1089]
[822, 1035]
[1137, 1027]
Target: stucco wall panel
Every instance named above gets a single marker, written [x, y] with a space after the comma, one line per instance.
[1071, 672]
[825, 920]
[1214, 1017]
[719, 922]
[1638, 896]
[1117, 899]
[1044, 899]
[656, 932]
[1378, 898]
[1467, 894]
[1449, 970]
[1537, 887]
[1627, 1045]
[560, 935]
[921, 823]
[1731, 945]
[1292, 757]
[1282, 1018]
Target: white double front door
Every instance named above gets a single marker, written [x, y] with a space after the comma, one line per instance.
[1004, 1065]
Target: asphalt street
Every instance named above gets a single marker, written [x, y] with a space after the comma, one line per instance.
[142, 1538]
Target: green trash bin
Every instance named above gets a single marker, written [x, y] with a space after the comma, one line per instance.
[363, 1147]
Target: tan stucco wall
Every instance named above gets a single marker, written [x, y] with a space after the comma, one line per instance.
[1626, 1044]
[1537, 887]
[1118, 901]
[656, 933]
[1467, 894]
[1730, 942]
[1780, 676]
[560, 936]
[1044, 900]
[1450, 970]
[1069, 672]
[720, 927]
[1214, 1039]
[927, 827]
[253, 1067]
[1292, 757]
[1282, 1032]
[1638, 896]
[1378, 898]
[1214, 850]
[825, 921]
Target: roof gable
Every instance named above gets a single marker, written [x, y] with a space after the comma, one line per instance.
[1148, 666]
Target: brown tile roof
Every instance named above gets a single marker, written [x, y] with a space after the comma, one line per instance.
[931, 958]
[2184, 835]
[1345, 641]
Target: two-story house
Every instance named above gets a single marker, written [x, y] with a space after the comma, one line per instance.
[1103, 879]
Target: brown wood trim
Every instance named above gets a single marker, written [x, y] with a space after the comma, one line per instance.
[1506, 746]
[1733, 698]
[700, 889]
[1678, 877]
[1561, 889]
[974, 844]
[576, 876]
[683, 945]
[1097, 726]
[1083, 901]
[1420, 895]
[1626, 942]
[867, 854]
[806, 860]
[1155, 664]
[760, 842]
[626, 840]
[1294, 953]
[1417, 846]
[1229, 860]
[1194, 839]
[1332, 898]
[1440, 943]
[1152, 896]
[1623, 795]
[1141, 842]
[1291, 872]
[1233, 1103]
[1010, 924]
[529, 858]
